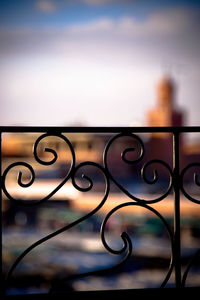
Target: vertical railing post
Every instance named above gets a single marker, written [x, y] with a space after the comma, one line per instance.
[1, 259]
[176, 183]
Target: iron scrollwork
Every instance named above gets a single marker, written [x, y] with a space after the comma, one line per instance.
[109, 177]
[143, 170]
[191, 198]
[71, 174]
[127, 244]
[31, 170]
[196, 181]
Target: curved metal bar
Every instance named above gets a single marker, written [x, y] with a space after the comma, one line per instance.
[143, 171]
[90, 183]
[104, 271]
[67, 227]
[130, 149]
[155, 178]
[20, 182]
[196, 181]
[184, 278]
[123, 155]
[25, 185]
[126, 239]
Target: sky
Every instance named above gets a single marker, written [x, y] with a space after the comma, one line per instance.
[96, 62]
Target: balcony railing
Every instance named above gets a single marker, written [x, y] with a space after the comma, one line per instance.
[123, 163]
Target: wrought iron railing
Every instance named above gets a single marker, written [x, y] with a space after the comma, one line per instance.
[132, 155]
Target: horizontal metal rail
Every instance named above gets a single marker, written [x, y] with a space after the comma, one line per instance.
[88, 129]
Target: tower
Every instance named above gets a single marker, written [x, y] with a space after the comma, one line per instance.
[164, 114]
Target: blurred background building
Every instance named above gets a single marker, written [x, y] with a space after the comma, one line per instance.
[159, 145]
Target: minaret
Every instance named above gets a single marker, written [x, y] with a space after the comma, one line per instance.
[165, 93]
[164, 114]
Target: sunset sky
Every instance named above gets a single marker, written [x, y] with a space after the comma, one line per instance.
[96, 62]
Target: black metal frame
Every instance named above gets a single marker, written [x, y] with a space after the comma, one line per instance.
[176, 179]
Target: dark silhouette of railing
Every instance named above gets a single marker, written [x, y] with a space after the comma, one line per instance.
[175, 185]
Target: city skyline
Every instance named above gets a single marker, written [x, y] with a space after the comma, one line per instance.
[96, 62]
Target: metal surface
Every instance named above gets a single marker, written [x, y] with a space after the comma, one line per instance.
[176, 184]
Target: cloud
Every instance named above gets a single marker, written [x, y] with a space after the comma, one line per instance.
[168, 39]
[51, 6]
[169, 31]
[46, 6]
[102, 2]
[162, 23]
